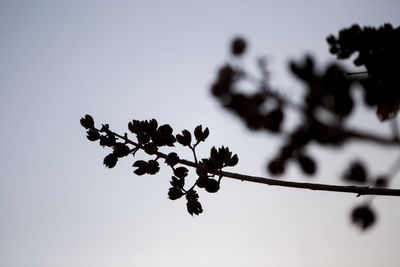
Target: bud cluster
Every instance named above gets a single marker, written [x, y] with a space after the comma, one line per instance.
[150, 137]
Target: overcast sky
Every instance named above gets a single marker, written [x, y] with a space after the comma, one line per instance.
[124, 60]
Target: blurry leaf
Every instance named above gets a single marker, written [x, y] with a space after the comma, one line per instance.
[363, 217]
[276, 166]
[382, 181]
[307, 164]
[356, 173]
[238, 46]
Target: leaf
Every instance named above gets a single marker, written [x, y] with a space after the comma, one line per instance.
[199, 134]
[238, 46]
[363, 217]
[172, 159]
[212, 186]
[142, 167]
[233, 161]
[121, 150]
[185, 138]
[87, 122]
[181, 172]
[152, 167]
[177, 182]
[307, 164]
[110, 160]
[92, 135]
[276, 166]
[175, 193]
[356, 173]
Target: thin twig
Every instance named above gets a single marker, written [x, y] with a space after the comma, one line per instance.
[357, 73]
[359, 190]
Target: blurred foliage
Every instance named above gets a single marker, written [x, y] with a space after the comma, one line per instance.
[326, 104]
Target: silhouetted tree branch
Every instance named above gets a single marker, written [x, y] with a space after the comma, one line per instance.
[359, 190]
[327, 104]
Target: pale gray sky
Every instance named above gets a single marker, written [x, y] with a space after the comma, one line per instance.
[123, 60]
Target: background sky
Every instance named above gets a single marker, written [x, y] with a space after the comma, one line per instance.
[124, 60]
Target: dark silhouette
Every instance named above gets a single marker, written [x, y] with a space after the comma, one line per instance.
[326, 105]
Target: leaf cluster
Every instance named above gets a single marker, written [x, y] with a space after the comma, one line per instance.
[378, 52]
[327, 101]
[150, 138]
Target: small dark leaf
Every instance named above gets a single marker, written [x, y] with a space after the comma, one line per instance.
[150, 148]
[87, 122]
[363, 217]
[142, 167]
[143, 137]
[221, 157]
[121, 150]
[163, 136]
[276, 166]
[165, 130]
[307, 164]
[213, 153]
[172, 159]
[194, 207]
[202, 181]
[192, 195]
[381, 181]
[181, 172]
[356, 173]
[212, 186]
[185, 138]
[177, 182]
[108, 140]
[275, 119]
[153, 167]
[175, 193]
[201, 172]
[110, 161]
[238, 46]
[201, 135]
[152, 126]
[134, 126]
[93, 135]
[232, 161]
